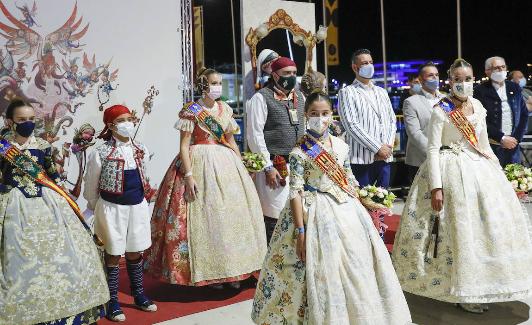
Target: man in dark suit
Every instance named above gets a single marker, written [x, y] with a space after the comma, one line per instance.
[507, 116]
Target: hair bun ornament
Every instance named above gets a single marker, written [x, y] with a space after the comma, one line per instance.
[201, 71]
[318, 90]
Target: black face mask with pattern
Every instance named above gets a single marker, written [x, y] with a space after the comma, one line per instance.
[287, 82]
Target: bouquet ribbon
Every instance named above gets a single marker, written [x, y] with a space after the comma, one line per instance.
[33, 170]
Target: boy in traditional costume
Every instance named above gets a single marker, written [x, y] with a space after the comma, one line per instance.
[115, 189]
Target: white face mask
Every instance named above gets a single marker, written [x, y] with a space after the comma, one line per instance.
[215, 91]
[498, 76]
[125, 129]
[463, 89]
[366, 71]
[319, 124]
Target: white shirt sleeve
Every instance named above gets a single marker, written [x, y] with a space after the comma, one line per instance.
[91, 192]
[256, 115]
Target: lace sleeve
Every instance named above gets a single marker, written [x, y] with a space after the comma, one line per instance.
[297, 172]
[186, 121]
[232, 126]
[349, 173]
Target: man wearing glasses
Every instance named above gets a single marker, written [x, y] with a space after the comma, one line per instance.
[507, 116]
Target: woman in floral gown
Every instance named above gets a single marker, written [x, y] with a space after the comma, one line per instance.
[207, 224]
[463, 236]
[326, 263]
[50, 269]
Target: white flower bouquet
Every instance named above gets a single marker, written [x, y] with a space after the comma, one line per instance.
[254, 162]
[520, 178]
[379, 202]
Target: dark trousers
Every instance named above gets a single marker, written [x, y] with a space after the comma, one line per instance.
[412, 171]
[377, 173]
[270, 226]
[507, 156]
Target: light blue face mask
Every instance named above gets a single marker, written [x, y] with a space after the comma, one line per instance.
[366, 71]
[264, 79]
[416, 88]
[522, 82]
[432, 84]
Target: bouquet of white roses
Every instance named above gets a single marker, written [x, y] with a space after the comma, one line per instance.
[519, 176]
[379, 202]
[254, 162]
[377, 197]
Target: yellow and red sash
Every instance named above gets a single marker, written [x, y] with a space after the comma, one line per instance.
[210, 122]
[33, 170]
[327, 164]
[461, 122]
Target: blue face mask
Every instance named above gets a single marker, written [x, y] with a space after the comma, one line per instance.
[264, 79]
[432, 84]
[416, 88]
[25, 129]
[522, 82]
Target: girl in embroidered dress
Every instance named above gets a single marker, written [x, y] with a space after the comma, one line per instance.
[326, 262]
[207, 224]
[50, 269]
[463, 236]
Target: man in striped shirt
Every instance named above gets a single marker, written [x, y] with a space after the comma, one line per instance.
[369, 120]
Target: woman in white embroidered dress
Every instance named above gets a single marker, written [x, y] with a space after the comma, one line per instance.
[207, 225]
[326, 263]
[483, 252]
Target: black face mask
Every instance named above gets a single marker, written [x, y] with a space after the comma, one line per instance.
[25, 129]
[287, 83]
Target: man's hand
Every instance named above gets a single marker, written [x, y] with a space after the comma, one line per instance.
[508, 142]
[273, 178]
[384, 152]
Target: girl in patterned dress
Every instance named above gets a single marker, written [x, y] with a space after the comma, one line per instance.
[207, 224]
[326, 263]
[50, 269]
[463, 235]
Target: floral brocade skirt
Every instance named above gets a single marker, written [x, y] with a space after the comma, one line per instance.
[484, 249]
[50, 268]
[220, 237]
[347, 278]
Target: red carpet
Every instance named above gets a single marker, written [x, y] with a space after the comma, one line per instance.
[175, 301]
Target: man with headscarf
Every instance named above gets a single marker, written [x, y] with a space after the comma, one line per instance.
[274, 125]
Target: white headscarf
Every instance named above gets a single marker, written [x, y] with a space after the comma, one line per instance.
[264, 54]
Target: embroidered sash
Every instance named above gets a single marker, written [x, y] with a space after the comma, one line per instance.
[327, 164]
[461, 122]
[33, 170]
[210, 122]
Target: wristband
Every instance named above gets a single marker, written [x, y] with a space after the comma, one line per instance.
[300, 230]
[188, 174]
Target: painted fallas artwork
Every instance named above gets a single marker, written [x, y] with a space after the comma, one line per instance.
[48, 67]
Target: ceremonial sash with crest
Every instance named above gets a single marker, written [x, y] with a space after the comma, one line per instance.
[34, 171]
[210, 122]
[461, 122]
[327, 164]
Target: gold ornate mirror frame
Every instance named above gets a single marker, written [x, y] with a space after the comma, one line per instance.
[282, 20]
